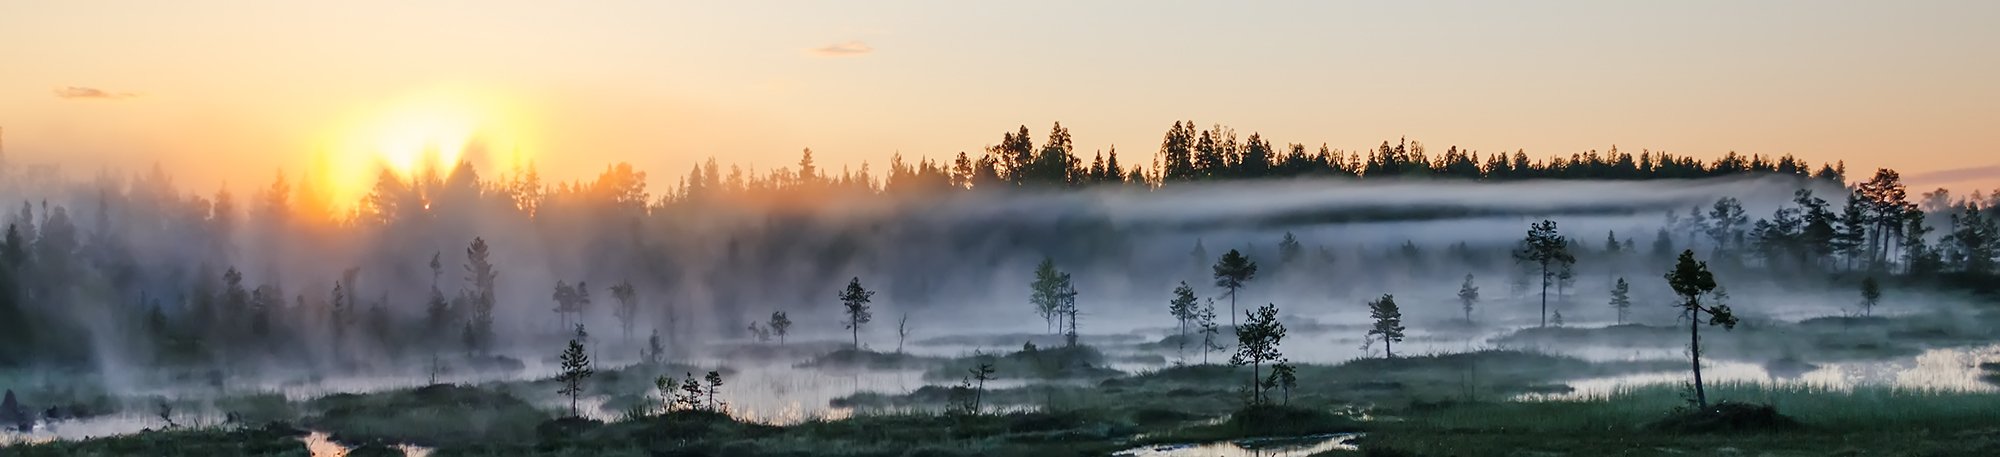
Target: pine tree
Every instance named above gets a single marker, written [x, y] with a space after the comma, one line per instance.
[854, 301]
[576, 368]
[780, 325]
[1621, 299]
[1690, 280]
[1183, 308]
[714, 379]
[1205, 320]
[1283, 376]
[691, 393]
[1257, 342]
[1549, 250]
[1045, 293]
[1388, 326]
[1232, 272]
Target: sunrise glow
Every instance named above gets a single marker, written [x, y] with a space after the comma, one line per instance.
[420, 133]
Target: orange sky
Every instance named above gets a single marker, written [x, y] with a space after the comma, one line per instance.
[229, 91]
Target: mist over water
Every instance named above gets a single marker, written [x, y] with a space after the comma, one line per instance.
[954, 265]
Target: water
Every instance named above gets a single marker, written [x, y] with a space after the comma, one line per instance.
[319, 444]
[1256, 447]
[1943, 370]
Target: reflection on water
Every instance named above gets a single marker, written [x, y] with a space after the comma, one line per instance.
[101, 426]
[1260, 447]
[1947, 370]
[319, 444]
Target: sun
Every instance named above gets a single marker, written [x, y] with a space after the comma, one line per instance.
[417, 134]
[424, 136]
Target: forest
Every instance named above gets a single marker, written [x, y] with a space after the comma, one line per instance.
[1042, 301]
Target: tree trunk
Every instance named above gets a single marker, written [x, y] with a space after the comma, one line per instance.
[1390, 352]
[1545, 293]
[1232, 308]
[1694, 337]
[1256, 391]
[856, 327]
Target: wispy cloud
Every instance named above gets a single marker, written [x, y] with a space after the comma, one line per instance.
[90, 93]
[1956, 175]
[847, 49]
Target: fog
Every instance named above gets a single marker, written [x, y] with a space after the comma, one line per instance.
[109, 251]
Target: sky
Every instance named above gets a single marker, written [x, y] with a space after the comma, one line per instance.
[227, 93]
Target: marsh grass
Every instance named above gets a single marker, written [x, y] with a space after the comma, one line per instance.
[1630, 409]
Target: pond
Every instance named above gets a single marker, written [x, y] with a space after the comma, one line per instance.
[1299, 446]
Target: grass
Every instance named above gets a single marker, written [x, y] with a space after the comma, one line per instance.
[1861, 421]
[432, 416]
[1058, 362]
[863, 359]
[1631, 409]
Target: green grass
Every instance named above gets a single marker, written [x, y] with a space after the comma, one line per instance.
[1630, 409]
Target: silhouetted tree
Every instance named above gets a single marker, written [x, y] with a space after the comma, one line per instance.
[1690, 280]
[1206, 321]
[1468, 294]
[781, 325]
[714, 379]
[1388, 326]
[854, 301]
[902, 331]
[1871, 294]
[1046, 292]
[1185, 310]
[437, 309]
[1545, 248]
[1621, 299]
[1232, 272]
[981, 374]
[1726, 223]
[481, 278]
[628, 306]
[575, 369]
[691, 394]
[1283, 376]
[1289, 249]
[1257, 342]
[654, 350]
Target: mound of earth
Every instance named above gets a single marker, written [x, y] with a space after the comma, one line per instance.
[1727, 417]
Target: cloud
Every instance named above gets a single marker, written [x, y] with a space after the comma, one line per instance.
[90, 93]
[1956, 175]
[847, 49]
